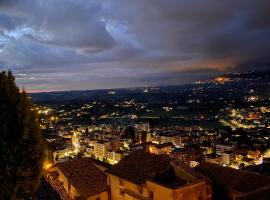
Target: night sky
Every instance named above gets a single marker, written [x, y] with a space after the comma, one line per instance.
[93, 44]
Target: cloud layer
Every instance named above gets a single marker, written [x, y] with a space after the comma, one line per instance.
[67, 44]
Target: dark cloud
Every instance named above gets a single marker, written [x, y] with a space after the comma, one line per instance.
[67, 44]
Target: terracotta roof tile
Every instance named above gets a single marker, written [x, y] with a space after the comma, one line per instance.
[140, 166]
[87, 179]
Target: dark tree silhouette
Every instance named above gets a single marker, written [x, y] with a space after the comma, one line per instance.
[21, 146]
[130, 133]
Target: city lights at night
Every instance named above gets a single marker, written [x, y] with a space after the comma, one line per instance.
[134, 100]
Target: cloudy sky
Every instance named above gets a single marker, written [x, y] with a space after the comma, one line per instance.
[93, 44]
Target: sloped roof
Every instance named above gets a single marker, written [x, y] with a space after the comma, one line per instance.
[233, 179]
[140, 166]
[87, 179]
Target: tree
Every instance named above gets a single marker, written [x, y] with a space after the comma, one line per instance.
[129, 133]
[21, 146]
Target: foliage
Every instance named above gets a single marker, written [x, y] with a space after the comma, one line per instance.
[129, 133]
[21, 146]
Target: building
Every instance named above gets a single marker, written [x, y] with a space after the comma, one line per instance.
[142, 127]
[208, 150]
[78, 179]
[188, 154]
[148, 137]
[233, 184]
[220, 148]
[164, 148]
[227, 157]
[114, 156]
[172, 137]
[212, 158]
[57, 148]
[100, 149]
[140, 137]
[149, 176]
[116, 144]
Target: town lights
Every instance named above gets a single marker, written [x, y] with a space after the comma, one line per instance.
[47, 165]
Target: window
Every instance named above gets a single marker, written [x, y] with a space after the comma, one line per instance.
[151, 195]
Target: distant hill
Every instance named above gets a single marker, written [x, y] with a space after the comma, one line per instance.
[154, 94]
[82, 95]
[252, 75]
[65, 96]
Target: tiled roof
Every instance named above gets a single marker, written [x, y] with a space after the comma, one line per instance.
[87, 179]
[169, 179]
[233, 179]
[191, 171]
[101, 163]
[140, 166]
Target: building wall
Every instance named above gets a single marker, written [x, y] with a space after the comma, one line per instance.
[196, 191]
[225, 158]
[159, 151]
[148, 137]
[193, 191]
[176, 140]
[160, 192]
[100, 150]
[121, 192]
[71, 191]
[221, 148]
[102, 196]
[114, 157]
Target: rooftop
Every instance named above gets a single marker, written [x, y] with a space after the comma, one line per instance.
[169, 178]
[233, 179]
[101, 163]
[87, 179]
[140, 166]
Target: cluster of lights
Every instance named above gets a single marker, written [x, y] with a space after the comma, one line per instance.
[252, 98]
